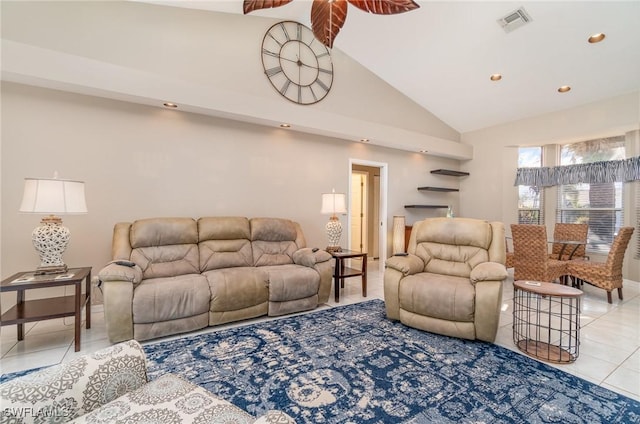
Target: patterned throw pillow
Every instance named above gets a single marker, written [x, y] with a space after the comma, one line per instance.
[170, 400]
[65, 391]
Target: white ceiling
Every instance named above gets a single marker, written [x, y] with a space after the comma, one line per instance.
[442, 54]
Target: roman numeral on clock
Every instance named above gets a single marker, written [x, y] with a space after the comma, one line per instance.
[273, 71]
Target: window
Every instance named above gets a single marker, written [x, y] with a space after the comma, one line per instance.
[637, 183]
[599, 205]
[530, 198]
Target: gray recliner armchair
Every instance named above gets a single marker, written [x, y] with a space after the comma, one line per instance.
[450, 282]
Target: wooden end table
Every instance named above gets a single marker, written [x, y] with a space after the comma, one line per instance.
[341, 271]
[546, 320]
[56, 307]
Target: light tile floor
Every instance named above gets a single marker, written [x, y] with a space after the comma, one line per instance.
[609, 349]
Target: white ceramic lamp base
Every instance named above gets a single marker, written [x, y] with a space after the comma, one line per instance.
[334, 232]
[51, 240]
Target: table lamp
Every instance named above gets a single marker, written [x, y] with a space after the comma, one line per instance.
[52, 197]
[332, 204]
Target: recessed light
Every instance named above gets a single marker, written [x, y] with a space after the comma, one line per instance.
[364, 140]
[495, 77]
[169, 104]
[285, 125]
[596, 38]
[564, 89]
[424, 151]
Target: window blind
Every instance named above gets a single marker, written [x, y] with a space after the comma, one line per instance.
[595, 172]
[590, 189]
[530, 197]
[599, 205]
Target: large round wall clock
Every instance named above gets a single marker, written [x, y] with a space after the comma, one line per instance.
[298, 65]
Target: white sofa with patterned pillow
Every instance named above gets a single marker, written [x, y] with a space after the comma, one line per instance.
[110, 386]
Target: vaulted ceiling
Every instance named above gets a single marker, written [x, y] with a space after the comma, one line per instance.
[443, 54]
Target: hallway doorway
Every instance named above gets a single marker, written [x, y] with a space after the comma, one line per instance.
[367, 209]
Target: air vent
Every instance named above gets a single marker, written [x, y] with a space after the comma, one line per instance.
[514, 20]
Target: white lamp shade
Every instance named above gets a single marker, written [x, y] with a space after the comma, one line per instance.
[333, 203]
[53, 196]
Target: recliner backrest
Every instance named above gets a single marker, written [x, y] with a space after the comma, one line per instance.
[165, 247]
[224, 242]
[274, 241]
[453, 246]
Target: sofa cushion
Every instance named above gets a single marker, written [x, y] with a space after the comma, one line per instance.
[273, 229]
[165, 247]
[224, 242]
[274, 241]
[237, 288]
[273, 252]
[291, 282]
[168, 399]
[439, 296]
[167, 261]
[169, 298]
[163, 232]
[453, 247]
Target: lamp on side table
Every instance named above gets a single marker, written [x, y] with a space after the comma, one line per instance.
[332, 204]
[52, 196]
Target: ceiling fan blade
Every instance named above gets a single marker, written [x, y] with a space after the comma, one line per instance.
[327, 17]
[251, 5]
[385, 7]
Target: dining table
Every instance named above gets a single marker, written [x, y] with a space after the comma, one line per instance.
[566, 244]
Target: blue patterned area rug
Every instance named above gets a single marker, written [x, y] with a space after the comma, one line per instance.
[350, 364]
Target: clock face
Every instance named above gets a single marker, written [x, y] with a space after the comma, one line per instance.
[298, 66]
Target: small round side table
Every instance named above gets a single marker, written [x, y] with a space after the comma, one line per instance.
[546, 320]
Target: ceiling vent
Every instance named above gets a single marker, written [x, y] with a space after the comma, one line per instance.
[514, 20]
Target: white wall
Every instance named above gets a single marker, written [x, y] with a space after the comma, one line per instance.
[206, 62]
[141, 161]
[489, 191]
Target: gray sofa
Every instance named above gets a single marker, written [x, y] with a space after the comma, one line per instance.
[111, 386]
[175, 275]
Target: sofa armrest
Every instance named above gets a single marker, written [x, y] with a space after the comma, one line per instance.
[488, 271]
[407, 265]
[75, 388]
[274, 417]
[307, 257]
[115, 272]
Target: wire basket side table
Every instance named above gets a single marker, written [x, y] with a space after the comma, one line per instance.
[546, 320]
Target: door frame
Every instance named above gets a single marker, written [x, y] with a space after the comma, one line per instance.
[364, 229]
[382, 212]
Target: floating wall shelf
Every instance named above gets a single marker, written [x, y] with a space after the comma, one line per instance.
[426, 206]
[450, 172]
[437, 189]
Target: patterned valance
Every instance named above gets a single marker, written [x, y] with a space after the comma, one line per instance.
[596, 172]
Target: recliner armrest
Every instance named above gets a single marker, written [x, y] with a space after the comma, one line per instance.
[407, 265]
[488, 271]
[115, 272]
[307, 257]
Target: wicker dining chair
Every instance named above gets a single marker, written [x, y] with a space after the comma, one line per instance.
[531, 255]
[569, 232]
[605, 275]
[509, 260]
